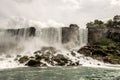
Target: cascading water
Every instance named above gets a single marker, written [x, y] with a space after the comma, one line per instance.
[50, 35]
[83, 37]
[25, 41]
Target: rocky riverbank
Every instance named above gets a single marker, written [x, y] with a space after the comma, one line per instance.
[50, 56]
[101, 54]
[103, 40]
[107, 51]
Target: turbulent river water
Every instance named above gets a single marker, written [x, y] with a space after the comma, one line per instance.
[60, 73]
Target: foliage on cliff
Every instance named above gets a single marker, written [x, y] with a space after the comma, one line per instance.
[96, 23]
[105, 50]
[115, 22]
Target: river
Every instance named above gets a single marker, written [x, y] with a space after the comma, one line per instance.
[60, 73]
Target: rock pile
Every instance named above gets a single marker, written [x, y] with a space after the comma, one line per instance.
[49, 56]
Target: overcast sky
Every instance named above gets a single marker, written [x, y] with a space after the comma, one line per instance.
[61, 11]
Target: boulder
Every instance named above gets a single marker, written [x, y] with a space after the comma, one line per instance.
[73, 53]
[99, 52]
[23, 59]
[51, 50]
[60, 59]
[33, 63]
[37, 52]
[38, 57]
[86, 51]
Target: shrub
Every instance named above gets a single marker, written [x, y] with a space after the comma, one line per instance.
[104, 42]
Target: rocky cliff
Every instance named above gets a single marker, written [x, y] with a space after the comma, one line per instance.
[96, 34]
[22, 31]
[104, 44]
[70, 35]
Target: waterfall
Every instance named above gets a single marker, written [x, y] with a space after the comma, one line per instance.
[10, 38]
[24, 41]
[6, 42]
[74, 37]
[83, 37]
[50, 35]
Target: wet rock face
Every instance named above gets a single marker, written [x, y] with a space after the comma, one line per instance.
[95, 34]
[70, 34]
[23, 59]
[114, 34]
[22, 31]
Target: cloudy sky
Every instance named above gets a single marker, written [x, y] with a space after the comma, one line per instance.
[61, 11]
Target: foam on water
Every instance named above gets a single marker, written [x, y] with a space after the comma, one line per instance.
[9, 62]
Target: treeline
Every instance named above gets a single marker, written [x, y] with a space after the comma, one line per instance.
[115, 22]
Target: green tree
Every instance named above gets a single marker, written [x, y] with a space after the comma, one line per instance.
[90, 24]
[99, 22]
[96, 23]
[109, 23]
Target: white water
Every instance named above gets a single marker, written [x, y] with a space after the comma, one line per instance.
[49, 35]
[11, 46]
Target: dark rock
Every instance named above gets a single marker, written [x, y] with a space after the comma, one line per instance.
[86, 51]
[38, 57]
[23, 59]
[99, 53]
[31, 57]
[73, 54]
[18, 56]
[60, 59]
[108, 60]
[37, 52]
[98, 64]
[33, 63]
[74, 64]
